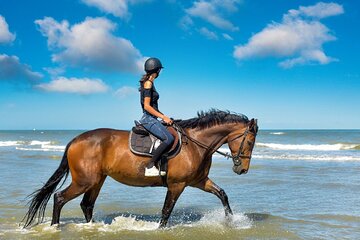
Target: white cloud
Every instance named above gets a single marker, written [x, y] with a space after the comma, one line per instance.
[11, 68]
[5, 35]
[308, 57]
[90, 44]
[74, 85]
[227, 36]
[319, 10]
[126, 91]
[209, 34]
[299, 37]
[118, 8]
[186, 22]
[55, 71]
[212, 12]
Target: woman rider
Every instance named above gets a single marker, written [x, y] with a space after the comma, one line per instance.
[149, 102]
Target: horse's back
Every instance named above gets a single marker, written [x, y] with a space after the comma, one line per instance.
[101, 133]
[94, 151]
[98, 139]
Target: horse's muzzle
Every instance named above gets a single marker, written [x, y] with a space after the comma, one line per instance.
[239, 170]
[243, 171]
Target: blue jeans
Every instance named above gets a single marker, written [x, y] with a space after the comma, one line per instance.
[156, 128]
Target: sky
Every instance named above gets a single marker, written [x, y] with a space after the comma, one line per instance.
[76, 64]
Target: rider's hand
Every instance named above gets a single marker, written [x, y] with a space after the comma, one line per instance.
[167, 120]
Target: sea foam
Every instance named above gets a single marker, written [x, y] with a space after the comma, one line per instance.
[9, 143]
[119, 223]
[35, 142]
[216, 218]
[310, 147]
[33, 145]
[306, 147]
[306, 157]
[43, 149]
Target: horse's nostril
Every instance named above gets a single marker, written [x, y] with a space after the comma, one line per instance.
[243, 171]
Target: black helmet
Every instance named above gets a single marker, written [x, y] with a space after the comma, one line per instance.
[152, 65]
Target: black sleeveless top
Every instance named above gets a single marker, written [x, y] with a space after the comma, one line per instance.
[152, 94]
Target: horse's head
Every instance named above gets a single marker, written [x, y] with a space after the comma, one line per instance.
[241, 143]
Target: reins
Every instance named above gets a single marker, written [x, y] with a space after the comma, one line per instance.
[236, 159]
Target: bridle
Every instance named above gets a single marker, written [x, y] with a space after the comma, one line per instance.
[236, 159]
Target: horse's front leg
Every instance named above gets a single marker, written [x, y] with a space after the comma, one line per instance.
[209, 186]
[172, 195]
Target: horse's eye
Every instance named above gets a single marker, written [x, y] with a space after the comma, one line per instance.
[249, 143]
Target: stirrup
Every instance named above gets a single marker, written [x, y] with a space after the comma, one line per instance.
[152, 172]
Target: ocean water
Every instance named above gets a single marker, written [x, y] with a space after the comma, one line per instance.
[302, 184]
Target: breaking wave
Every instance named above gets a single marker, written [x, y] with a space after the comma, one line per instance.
[9, 143]
[277, 133]
[310, 147]
[34, 145]
[322, 157]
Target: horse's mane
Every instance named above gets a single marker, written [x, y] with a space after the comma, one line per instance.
[211, 118]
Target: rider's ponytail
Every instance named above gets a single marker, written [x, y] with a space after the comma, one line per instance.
[143, 79]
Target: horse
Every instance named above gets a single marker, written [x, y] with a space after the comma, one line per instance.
[93, 155]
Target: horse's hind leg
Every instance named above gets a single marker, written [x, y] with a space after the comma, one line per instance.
[209, 186]
[62, 197]
[88, 201]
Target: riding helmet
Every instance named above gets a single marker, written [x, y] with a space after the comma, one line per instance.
[152, 65]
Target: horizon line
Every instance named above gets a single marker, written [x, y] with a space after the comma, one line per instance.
[266, 129]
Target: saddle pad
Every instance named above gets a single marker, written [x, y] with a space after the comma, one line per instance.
[140, 143]
[143, 145]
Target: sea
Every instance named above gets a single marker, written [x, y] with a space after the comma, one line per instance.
[302, 184]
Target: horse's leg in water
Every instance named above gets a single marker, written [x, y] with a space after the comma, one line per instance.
[209, 186]
[172, 195]
[88, 201]
[62, 197]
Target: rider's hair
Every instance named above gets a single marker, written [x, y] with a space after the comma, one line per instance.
[146, 77]
[143, 79]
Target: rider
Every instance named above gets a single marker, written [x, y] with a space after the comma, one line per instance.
[149, 102]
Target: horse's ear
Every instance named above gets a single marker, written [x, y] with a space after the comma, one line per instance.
[251, 123]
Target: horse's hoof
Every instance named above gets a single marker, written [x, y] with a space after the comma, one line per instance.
[162, 225]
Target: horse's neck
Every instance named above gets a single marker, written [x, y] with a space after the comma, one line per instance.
[212, 137]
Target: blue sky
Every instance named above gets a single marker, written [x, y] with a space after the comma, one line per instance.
[75, 64]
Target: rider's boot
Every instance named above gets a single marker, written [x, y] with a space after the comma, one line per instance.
[151, 170]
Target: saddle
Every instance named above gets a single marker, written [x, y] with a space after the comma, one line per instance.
[142, 142]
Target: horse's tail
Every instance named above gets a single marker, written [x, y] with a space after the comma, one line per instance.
[40, 197]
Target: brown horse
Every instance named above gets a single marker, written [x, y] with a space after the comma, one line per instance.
[96, 154]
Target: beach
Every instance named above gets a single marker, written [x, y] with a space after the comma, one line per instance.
[302, 184]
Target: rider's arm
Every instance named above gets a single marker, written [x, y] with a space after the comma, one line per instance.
[149, 108]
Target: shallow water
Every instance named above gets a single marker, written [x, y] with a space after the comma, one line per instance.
[305, 187]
